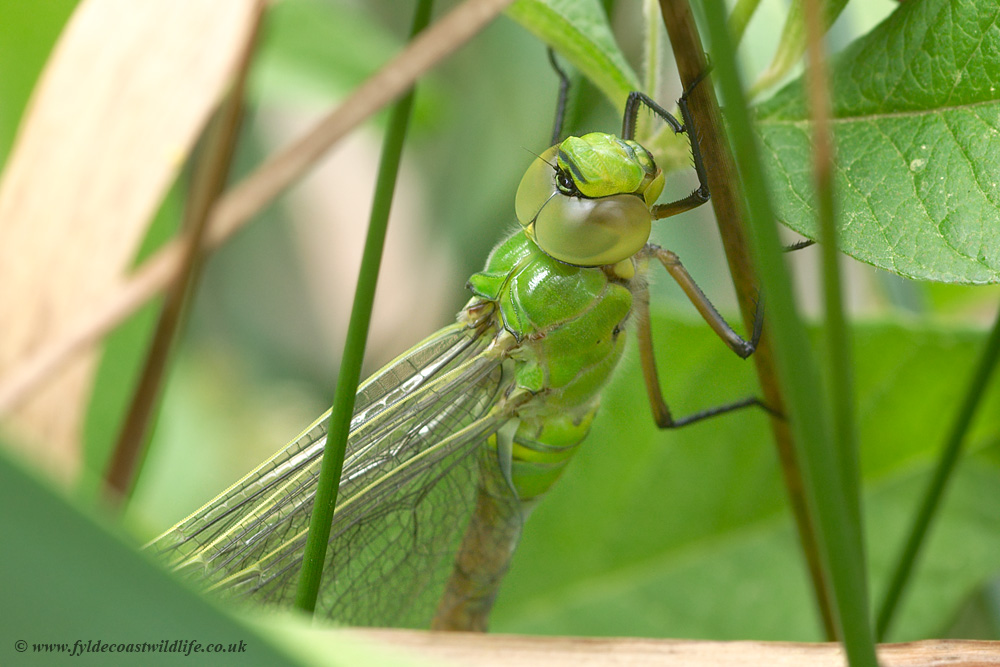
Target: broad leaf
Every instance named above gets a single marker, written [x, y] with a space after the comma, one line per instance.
[66, 579]
[916, 119]
[72, 587]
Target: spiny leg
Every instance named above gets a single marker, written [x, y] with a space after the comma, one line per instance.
[743, 348]
[701, 194]
[799, 245]
[557, 126]
[672, 263]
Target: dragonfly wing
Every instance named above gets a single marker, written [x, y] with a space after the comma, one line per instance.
[406, 492]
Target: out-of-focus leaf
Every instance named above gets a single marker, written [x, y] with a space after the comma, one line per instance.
[69, 581]
[792, 44]
[122, 100]
[917, 125]
[27, 32]
[65, 579]
[579, 31]
[686, 533]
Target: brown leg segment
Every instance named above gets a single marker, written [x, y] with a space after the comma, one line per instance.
[742, 347]
[693, 200]
[672, 263]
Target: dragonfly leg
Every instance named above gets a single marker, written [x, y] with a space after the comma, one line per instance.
[672, 263]
[557, 126]
[661, 411]
[799, 245]
[693, 200]
[701, 194]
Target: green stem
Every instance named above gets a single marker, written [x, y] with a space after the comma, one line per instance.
[740, 18]
[325, 500]
[839, 362]
[935, 490]
[729, 204]
[809, 416]
[651, 62]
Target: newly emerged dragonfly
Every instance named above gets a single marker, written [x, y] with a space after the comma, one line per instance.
[453, 442]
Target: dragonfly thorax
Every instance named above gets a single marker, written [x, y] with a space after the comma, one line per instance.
[587, 200]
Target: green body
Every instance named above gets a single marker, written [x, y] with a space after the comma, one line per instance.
[568, 321]
[564, 327]
[452, 442]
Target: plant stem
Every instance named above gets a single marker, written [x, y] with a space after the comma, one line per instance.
[935, 490]
[207, 184]
[839, 362]
[325, 500]
[740, 18]
[809, 415]
[728, 203]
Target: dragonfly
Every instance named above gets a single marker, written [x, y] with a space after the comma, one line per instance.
[454, 442]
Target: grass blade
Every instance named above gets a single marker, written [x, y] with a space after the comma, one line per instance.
[809, 416]
[935, 490]
[354, 348]
[730, 211]
[838, 352]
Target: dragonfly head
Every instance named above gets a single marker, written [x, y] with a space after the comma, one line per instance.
[586, 201]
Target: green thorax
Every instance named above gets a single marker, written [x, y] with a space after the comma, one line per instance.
[569, 323]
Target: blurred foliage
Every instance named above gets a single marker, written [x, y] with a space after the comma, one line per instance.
[81, 590]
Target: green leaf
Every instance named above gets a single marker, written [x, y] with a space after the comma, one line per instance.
[686, 533]
[579, 30]
[65, 577]
[918, 148]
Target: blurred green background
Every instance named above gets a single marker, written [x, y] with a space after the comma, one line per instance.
[680, 534]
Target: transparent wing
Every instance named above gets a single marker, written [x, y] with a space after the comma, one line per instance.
[405, 496]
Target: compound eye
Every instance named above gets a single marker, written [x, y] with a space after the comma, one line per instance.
[578, 230]
[592, 232]
[565, 183]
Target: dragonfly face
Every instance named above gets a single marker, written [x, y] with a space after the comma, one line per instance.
[587, 200]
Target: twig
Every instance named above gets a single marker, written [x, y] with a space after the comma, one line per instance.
[208, 182]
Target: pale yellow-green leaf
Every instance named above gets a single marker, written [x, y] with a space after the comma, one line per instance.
[122, 99]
